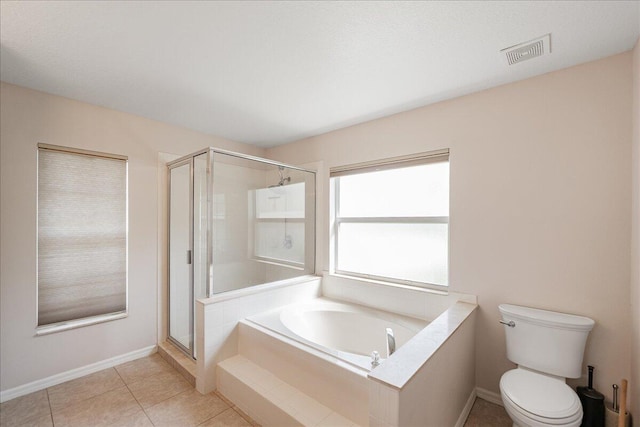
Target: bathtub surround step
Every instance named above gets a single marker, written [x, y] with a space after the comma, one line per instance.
[334, 383]
[217, 319]
[269, 400]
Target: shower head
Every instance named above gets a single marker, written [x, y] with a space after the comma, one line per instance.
[283, 179]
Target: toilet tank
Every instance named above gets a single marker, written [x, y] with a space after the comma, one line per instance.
[546, 341]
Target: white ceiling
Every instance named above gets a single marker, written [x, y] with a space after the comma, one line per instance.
[268, 73]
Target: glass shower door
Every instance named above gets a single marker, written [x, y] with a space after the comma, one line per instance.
[180, 257]
[234, 221]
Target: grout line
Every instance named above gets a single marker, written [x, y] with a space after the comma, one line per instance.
[129, 390]
[155, 375]
[135, 398]
[224, 399]
[164, 400]
[118, 372]
[53, 423]
[83, 398]
[213, 393]
[210, 418]
[246, 417]
[148, 417]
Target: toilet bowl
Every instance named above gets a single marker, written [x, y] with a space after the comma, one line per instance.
[536, 400]
[548, 347]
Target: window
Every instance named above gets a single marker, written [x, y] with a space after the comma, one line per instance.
[279, 234]
[391, 220]
[82, 238]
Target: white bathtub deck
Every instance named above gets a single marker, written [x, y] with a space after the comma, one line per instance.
[269, 400]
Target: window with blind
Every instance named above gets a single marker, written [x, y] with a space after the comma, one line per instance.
[391, 220]
[82, 238]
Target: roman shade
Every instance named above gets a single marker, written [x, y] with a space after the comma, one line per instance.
[82, 237]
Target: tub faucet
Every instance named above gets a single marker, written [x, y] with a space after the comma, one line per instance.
[391, 342]
[375, 359]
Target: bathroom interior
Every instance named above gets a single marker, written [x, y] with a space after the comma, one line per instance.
[475, 246]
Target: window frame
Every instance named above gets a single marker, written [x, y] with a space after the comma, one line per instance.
[336, 220]
[64, 325]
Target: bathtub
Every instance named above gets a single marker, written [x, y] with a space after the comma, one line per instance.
[347, 331]
[322, 347]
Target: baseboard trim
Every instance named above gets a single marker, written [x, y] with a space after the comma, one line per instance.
[467, 409]
[43, 383]
[489, 396]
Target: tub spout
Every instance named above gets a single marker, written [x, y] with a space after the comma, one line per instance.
[391, 342]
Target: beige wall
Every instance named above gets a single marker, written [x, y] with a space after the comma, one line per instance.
[29, 117]
[540, 197]
[635, 239]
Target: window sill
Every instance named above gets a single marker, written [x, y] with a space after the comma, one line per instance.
[78, 323]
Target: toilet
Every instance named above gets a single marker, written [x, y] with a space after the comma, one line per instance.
[548, 347]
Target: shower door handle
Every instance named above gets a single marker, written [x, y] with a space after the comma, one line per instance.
[189, 257]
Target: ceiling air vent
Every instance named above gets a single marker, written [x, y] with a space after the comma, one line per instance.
[528, 50]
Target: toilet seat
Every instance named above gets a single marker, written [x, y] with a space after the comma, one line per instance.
[539, 400]
[522, 417]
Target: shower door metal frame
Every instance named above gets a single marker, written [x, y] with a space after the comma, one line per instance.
[189, 158]
[190, 351]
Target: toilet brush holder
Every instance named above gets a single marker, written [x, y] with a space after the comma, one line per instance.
[611, 417]
[592, 404]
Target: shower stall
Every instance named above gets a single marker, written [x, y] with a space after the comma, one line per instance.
[234, 221]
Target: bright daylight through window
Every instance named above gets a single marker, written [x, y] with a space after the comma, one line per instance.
[391, 220]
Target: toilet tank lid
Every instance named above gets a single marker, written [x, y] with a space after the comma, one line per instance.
[547, 318]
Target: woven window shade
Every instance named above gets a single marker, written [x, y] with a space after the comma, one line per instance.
[82, 236]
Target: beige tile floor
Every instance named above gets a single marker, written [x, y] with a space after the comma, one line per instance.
[150, 392]
[144, 392]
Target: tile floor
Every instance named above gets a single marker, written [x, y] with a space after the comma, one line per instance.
[144, 392]
[486, 414]
[149, 392]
